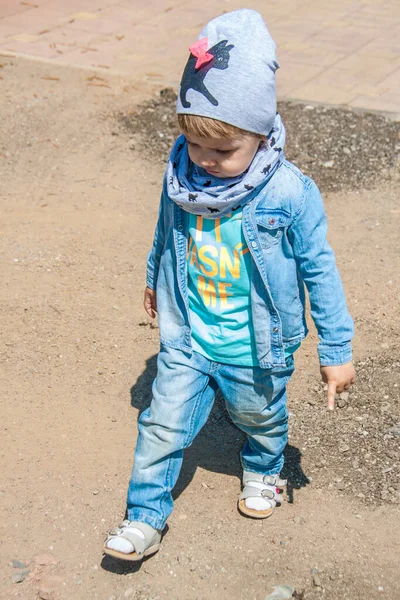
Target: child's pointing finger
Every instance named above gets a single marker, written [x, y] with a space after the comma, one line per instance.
[331, 394]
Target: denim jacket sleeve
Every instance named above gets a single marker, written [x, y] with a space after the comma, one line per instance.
[153, 258]
[317, 267]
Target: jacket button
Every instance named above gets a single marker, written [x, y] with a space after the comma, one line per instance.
[180, 227]
[272, 221]
[275, 330]
[254, 244]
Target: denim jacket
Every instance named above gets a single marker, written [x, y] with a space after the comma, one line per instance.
[285, 227]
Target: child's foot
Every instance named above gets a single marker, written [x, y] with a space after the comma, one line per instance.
[132, 540]
[260, 495]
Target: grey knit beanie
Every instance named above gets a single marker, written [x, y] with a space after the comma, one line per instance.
[230, 74]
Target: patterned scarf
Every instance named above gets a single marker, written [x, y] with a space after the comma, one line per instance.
[199, 193]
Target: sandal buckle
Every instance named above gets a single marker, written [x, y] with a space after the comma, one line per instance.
[266, 493]
[269, 479]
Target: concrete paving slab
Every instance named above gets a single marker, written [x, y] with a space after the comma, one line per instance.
[335, 52]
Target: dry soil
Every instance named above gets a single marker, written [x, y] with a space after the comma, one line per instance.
[79, 199]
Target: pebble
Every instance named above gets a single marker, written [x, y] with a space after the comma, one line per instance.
[281, 592]
[343, 447]
[45, 592]
[20, 577]
[344, 396]
[129, 593]
[387, 469]
[395, 430]
[341, 403]
[18, 564]
[316, 580]
[328, 164]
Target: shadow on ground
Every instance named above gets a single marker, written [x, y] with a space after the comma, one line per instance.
[219, 432]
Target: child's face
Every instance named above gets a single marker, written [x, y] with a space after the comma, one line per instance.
[223, 157]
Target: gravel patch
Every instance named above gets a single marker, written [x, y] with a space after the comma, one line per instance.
[340, 149]
[355, 449]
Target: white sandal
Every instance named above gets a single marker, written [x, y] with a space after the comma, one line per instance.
[144, 539]
[267, 488]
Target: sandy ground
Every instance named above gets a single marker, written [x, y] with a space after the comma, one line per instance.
[78, 209]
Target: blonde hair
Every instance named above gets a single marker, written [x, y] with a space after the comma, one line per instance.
[206, 127]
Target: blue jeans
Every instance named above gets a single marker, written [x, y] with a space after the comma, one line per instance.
[183, 395]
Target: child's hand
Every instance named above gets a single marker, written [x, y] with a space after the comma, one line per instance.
[150, 302]
[338, 378]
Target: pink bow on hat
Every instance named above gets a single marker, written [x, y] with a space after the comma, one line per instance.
[199, 50]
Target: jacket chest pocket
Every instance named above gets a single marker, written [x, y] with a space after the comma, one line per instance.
[271, 225]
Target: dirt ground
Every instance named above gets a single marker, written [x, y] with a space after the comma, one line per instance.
[79, 199]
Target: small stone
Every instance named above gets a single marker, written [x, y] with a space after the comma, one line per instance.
[48, 587]
[344, 396]
[341, 486]
[311, 401]
[281, 592]
[18, 564]
[298, 520]
[20, 577]
[46, 592]
[343, 447]
[129, 593]
[328, 164]
[347, 151]
[341, 403]
[316, 580]
[395, 430]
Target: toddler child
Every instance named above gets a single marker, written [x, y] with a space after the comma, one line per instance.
[240, 231]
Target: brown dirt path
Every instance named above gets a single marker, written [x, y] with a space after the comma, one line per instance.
[78, 209]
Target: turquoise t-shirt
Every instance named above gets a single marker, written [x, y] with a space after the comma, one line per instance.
[219, 265]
